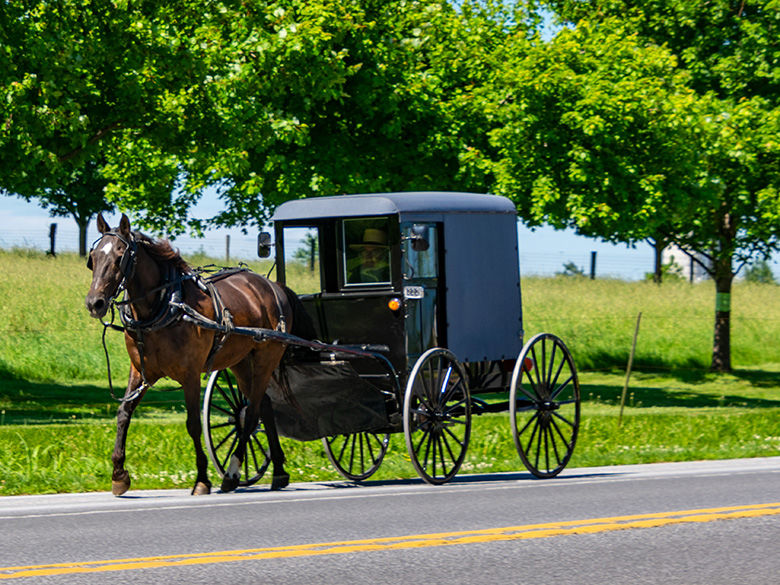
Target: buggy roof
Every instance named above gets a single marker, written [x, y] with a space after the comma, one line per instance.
[419, 202]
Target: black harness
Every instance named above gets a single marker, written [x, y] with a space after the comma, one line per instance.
[171, 307]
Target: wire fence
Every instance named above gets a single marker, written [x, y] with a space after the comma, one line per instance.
[232, 245]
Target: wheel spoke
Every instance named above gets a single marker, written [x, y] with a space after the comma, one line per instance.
[560, 434]
[562, 387]
[530, 420]
[233, 405]
[533, 397]
[230, 413]
[455, 437]
[225, 438]
[536, 369]
[237, 397]
[552, 364]
[563, 418]
[229, 452]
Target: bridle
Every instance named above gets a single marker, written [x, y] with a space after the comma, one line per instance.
[127, 266]
[127, 263]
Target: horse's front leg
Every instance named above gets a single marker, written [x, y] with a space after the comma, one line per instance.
[192, 401]
[120, 478]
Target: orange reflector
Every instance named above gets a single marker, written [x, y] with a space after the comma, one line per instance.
[393, 304]
[528, 364]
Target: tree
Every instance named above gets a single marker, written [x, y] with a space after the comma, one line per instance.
[91, 89]
[264, 101]
[760, 272]
[625, 137]
[729, 49]
[355, 96]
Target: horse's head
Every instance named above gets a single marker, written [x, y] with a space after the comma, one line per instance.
[112, 262]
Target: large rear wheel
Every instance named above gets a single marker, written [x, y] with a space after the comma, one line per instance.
[224, 408]
[437, 415]
[544, 405]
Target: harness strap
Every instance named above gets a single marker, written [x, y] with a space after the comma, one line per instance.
[223, 317]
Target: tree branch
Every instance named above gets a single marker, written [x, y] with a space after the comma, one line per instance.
[94, 138]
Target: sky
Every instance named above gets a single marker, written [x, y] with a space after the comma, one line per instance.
[543, 251]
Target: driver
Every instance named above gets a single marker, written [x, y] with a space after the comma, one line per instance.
[374, 258]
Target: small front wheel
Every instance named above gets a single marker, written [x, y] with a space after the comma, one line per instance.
[356, 456]
[437, 415]
[544, 405]
[223, 416]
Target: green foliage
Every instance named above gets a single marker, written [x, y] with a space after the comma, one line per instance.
[671, 271]
[263, 101]
[571, 269]
[760, 272]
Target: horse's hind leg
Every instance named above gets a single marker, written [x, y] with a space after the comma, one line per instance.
[120, 478]
[281, 478]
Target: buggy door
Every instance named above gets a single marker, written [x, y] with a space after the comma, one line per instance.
[423, 284]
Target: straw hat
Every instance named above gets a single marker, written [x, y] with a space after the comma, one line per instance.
[372, 237]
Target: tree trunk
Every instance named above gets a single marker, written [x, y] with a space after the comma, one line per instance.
[658, 273]
[83, 225]
[721, 347]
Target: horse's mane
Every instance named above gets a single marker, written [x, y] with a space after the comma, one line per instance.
[162, 251]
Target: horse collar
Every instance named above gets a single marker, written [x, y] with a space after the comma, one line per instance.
[170, 292]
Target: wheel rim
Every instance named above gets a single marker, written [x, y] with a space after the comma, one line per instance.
[223, 410]
[437, 416]
[544, 405]
[357, 456]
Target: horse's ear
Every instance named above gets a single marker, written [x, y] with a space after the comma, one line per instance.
[124, 226]
[102, 226]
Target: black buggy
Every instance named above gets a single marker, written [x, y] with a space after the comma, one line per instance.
[415, 298]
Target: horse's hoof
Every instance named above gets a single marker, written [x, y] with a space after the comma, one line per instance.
[229, 483]
[201, 489]
[120, 487]
[280, 481]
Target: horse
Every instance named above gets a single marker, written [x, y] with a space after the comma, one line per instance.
[162, 343]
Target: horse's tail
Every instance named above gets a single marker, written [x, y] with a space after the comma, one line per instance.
[302, 326]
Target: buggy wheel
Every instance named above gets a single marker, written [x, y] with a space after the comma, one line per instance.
[223, 414]
[437, 415]
[356, 456]
[544, 405]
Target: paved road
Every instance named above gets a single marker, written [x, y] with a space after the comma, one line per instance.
[704, 522]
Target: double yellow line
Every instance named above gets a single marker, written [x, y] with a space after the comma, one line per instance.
[508, 533]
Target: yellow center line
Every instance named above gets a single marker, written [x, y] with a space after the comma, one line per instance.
[529, 531]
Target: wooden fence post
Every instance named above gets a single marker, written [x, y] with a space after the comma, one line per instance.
[52, 239]
[628, 369]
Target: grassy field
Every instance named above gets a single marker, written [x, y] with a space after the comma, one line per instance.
[56, 418]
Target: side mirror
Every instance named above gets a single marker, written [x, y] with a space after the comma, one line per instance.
[419, 237]
[264, 244]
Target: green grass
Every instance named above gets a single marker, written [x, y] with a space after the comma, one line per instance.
[56, 416]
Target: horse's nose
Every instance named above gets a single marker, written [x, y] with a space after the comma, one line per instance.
[96, 306]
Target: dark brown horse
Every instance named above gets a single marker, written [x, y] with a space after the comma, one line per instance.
[163, 344]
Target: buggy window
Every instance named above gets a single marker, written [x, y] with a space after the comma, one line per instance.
[302, 259]
[366, 252]
[421, 263]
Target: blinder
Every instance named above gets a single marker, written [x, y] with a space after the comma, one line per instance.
[126, 263]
